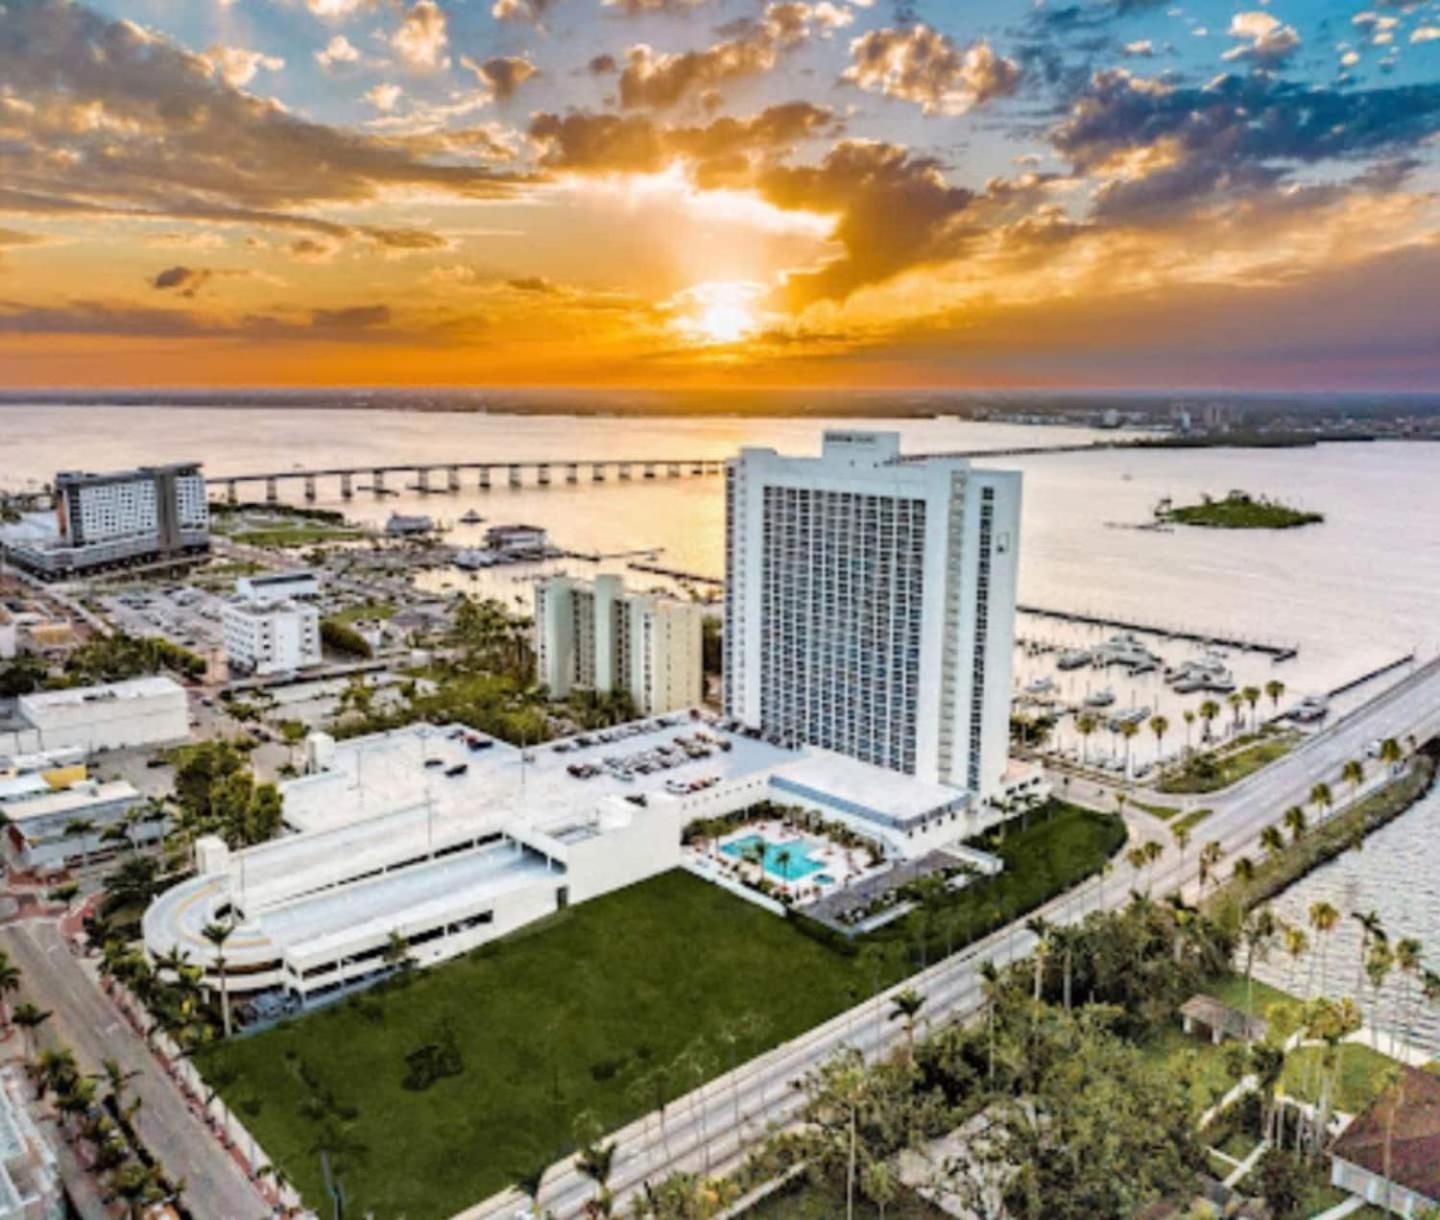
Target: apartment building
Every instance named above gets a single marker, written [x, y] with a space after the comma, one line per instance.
[597, 636]
[270, 637]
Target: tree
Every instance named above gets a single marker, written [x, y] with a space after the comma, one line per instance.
[1272, 841]
[1210, 856]
[1181, 834]
[1257, 933]
[1295, 823]
[9, 985]
[906, 1006]
[397, 952]
[1085, 724]
[1391, 753]
[1251, 695]
[1322, 798]
[1243, 870]
[1159, 725]
[29, 1018]
[1378, 964]
[1297, 944]
[596, 1161]
[1323, 919]
[1188, 715]
[1209, 709]
[217, 934]
[1128, 730]
[1275, 690]
[1235, 701]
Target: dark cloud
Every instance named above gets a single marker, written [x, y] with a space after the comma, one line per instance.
[602, 65]
[893, 211]
[121, 120]
[584, 142]
[89, 317]
[1235, 135]
[354, 317]
[16, 237]
[187, 281]
[502, 74]
[534, 283]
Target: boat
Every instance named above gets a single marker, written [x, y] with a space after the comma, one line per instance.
[401, 524]
[1041, 686]
[471, 517]
[474, 558]
[1073, 658]
[1100, 698]
[1133, 715]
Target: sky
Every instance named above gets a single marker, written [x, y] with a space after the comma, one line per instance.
[688, 193]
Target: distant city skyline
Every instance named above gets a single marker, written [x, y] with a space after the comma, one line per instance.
[686, 193]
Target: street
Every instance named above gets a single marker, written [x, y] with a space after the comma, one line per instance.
[709, 1129]
[84, 1019]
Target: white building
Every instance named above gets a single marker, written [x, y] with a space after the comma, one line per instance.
[451, 839]
[141, 712]
[270, 637]
[150, 514]
[870, 606]
[279, 586]
[30, 1185]
[516, 541]
[596, 636]
[49, 829]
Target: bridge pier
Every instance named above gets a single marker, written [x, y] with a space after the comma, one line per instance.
[310, 488]
[347, 487]
[624, 469]
[377, 479]
[422, 477]
[453, 476]
[542, 474]
[232, 492]
[272, 490]
[597, 472]
[484, 480]
[515, 479]
[572, 472]
[649, 470]
[673, 470]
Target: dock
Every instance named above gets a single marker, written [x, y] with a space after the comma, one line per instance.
[1355, 683]
[1277, 652]
[655, 569]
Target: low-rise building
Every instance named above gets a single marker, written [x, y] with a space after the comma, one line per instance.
[509, 541]
[118, 715]
[270, 637]
[279, 586]
[1390, 1155]
[48, 829]
[595, 635]
[30, 1185]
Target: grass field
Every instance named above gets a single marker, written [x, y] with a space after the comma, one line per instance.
[591, 1015]
[1230, 768]
[281, 536]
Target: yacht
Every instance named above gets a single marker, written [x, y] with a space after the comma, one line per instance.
[471, 517]
[1073, 658]
[475, 558]
[1100, 698]
[1041, 686]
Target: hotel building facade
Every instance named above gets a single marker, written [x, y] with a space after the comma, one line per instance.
[870, 606]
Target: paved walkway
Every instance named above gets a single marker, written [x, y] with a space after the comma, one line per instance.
[1353, 1204]
[1237, 1175]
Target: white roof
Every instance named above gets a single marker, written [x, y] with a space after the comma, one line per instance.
[150, 687]
[22, 787]
[73, 800]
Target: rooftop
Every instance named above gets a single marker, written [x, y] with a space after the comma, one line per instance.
[73, 800]
[150, 687]
[1408, 1114]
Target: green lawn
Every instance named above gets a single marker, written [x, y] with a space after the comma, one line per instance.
[551, 1024]
[1362, 1075]
[1165, 812]
[1192, 819]
[365, 610]
[808, 1201]
[1230, 768]
[294, 535]
[586, 1014]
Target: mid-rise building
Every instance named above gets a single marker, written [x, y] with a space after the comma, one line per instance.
[870, 606]
[279, 586]
[270, 637]
[147, 515]
[596, 636]
[118, 715]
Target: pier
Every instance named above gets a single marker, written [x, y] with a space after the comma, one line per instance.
[1277, 652]
[655, 569]
[440, 478]
[1355, 683]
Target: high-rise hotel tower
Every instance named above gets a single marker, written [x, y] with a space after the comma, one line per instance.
[870, 605]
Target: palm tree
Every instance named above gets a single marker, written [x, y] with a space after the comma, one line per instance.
[1408, 955]
[1128, 731]
[1251, 695]
[1323, 918]
[1353, 773]
[529, 1183]
[1159, 726]
[1189, 717]
[1085, 724]
[1137, 860]
[217, 934]
[1210, 856]
[1153, 850]
[1235, 701]
[1258, 932]
[1297, 944]
[1378, 964]
[596, 1161]
[1243, 870]
[1295, 823]
[1209, 709]
[1322, 798]
[29, 1018]
[1371, 928]
[906, 1006]
[1272, 841]
[1275, 689]
[990, 984]
[1391, 753]
[1181, 835]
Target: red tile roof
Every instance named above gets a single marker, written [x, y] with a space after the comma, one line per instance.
[1414, 1105]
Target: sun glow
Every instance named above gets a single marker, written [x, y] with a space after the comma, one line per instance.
[718, 312]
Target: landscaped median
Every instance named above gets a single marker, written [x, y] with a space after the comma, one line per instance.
[1213, 770]
[581, 1023]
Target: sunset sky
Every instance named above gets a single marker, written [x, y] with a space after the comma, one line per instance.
[663, 193]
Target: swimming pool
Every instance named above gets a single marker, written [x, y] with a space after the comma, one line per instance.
[788, 861]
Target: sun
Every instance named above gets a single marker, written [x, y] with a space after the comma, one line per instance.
[718, 313]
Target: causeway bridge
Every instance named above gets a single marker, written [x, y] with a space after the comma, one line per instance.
[429, 478]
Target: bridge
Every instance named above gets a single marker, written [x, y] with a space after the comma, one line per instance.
[438, 477]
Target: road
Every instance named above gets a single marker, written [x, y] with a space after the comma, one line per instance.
[709, 1129]
[85, 1020]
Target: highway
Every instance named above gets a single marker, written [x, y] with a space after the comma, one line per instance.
[84, 1019]
[708, 1129]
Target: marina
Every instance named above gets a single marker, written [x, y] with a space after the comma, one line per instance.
[1276, 651]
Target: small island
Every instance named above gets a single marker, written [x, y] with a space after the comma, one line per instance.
[1237, 511]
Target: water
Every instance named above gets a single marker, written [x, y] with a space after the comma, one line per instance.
[1394, 875]
[796, 864]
